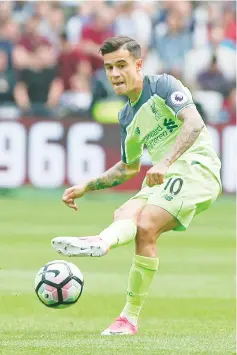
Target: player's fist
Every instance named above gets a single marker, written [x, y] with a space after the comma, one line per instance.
[71, 194]
[156, 175]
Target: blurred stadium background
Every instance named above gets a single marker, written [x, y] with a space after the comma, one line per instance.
[58, 127]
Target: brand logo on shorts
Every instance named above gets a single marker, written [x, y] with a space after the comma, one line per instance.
[178, 98]
[168, 197]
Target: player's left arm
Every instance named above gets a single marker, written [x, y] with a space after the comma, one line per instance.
[179, 100]
[192, 126]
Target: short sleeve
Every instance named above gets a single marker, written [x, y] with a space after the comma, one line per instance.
[175, 94]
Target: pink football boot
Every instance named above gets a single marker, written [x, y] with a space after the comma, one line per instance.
[121, 326]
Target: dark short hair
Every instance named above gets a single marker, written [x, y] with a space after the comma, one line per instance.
[114, 43]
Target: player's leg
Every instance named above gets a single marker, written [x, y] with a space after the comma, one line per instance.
[124, 228]
[122, 231]
[188, 190]
[152, 221]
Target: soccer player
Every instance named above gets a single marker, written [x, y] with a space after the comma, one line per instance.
[184, 180]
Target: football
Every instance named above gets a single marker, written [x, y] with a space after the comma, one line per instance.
[59, 284]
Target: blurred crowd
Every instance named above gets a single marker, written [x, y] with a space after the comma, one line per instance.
[50, 63]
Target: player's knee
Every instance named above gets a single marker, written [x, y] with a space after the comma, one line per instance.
[120, 213]
[146, 234]
[123, 213]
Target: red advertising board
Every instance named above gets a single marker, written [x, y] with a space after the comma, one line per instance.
[51, 153]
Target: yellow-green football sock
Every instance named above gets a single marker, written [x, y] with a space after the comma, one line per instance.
[140, 278]
[119, 232]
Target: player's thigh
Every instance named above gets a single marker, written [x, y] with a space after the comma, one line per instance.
[133, 207]
[130, 209]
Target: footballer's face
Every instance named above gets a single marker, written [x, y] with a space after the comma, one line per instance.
[123, 71]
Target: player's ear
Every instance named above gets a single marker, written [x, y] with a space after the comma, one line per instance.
[139, 64]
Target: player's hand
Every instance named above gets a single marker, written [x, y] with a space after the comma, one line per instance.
[71, 194]
[156, 175]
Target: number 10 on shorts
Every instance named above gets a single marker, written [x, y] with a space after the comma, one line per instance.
[174, 185]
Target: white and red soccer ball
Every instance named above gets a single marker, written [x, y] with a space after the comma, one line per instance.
[59, 284]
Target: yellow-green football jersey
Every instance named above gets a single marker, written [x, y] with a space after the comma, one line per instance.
[152, 122]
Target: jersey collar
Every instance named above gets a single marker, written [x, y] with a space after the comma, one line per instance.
[140, 95]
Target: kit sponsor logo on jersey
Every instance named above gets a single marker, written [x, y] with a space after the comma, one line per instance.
[153, 134]
[152, 139]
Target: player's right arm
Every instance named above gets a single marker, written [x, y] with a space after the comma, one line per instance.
[127, 168]
[116, 175]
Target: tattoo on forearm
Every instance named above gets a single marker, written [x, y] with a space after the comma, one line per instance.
[184, 140]
[112, 177]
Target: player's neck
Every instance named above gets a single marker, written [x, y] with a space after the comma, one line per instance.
[135, 94]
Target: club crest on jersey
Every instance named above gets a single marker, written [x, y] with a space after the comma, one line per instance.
[178, 98]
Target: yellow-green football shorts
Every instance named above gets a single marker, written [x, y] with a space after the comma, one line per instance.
[189, 188]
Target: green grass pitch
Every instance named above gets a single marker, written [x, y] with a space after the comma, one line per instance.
[191, 306]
